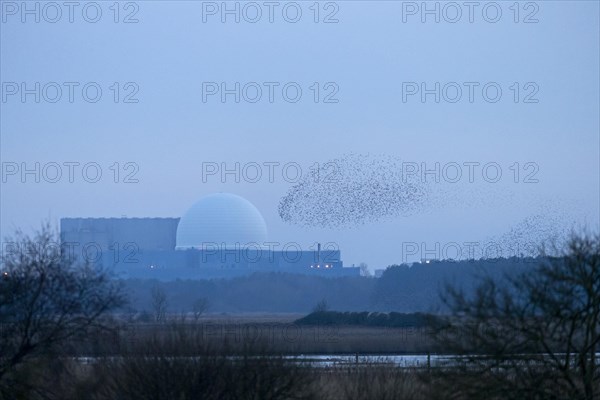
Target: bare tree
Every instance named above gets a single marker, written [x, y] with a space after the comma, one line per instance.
[535, 335]
[159, 303]
[199, 307]
[46, 301]
[321, 306]
[364, 269]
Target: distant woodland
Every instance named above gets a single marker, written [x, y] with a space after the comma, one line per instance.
[402, 288]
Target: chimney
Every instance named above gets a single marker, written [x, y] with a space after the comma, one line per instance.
[319, 253]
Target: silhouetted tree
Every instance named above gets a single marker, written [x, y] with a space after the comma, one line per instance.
[199, 307]
[364, 269]
[159, 303]
[534, 335]
[47, 300]
[321, 306]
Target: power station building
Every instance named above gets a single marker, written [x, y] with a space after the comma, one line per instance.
[221, 236]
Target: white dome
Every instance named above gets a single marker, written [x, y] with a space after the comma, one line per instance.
[221, 219]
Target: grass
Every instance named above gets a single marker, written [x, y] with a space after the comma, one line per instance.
[214, 359]
[277, 335]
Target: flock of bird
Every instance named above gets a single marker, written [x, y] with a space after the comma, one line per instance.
[355, 189]
[352, 190]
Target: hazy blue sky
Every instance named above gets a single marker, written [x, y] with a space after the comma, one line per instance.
[368, 54]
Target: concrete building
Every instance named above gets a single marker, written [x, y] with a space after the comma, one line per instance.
[220, 236]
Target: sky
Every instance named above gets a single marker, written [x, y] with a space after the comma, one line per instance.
[137, 108]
